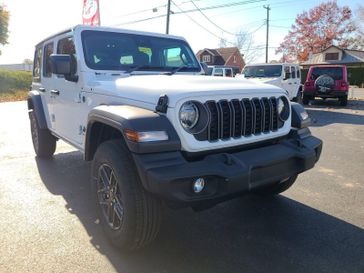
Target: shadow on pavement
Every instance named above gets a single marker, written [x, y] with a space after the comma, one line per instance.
[326, 112]
[249, 234]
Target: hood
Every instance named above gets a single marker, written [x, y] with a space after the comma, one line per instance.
[265, 80]
[148, 88]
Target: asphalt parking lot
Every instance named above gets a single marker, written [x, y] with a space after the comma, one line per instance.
[48, 223]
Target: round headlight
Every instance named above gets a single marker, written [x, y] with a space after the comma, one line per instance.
[188, 115]
[283, 108]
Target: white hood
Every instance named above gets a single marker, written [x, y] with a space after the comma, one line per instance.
[273, 81]
[148, 88]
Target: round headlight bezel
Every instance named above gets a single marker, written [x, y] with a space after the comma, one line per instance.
[283, 108]
[188, 106]
[201, 121]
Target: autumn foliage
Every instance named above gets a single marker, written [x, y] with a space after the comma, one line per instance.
[315, 30]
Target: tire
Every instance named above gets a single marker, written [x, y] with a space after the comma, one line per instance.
[298, 98]
[129, 215]
[305, 100]
[44, 142]
[277, 188]
[343, 101]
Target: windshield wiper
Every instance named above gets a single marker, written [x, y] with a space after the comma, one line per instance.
[138, 67]
[176, 69]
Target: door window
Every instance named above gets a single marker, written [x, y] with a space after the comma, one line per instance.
[47, 67]
[37, 64]
[218, 72]
[293, 72]
[287, 73]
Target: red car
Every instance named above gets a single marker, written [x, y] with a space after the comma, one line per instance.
[326, 81]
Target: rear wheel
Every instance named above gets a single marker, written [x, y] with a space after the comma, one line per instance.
[279, 187]
[44, 142]
[343, 101]
[129, 215]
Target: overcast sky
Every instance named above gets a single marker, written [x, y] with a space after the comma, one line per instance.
[32, 21]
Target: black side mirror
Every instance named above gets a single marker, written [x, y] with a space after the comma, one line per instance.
[287, 75]
[62, 64]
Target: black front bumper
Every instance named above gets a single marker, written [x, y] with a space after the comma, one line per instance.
[170, 176]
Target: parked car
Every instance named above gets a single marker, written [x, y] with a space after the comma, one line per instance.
[220, 71]
[284, 75]
[326, 81]
[156, 131]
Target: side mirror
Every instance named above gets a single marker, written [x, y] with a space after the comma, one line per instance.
[62, 64]
[287, 75]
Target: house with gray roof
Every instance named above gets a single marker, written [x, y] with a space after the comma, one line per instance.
[336, 55]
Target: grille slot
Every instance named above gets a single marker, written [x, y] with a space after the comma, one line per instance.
[240, 118]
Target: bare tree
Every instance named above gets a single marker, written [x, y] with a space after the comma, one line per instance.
[245, 43]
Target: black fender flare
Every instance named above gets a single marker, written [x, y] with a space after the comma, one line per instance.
[122, 117]
[35, 104]
[297, 117]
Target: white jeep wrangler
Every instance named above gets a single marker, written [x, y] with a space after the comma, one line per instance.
[157, 131]
[284, 75]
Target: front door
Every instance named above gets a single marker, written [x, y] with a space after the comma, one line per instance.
[66, 96]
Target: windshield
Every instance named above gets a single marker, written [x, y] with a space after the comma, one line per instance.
[128, 52]
[262, 71]
[334, 72]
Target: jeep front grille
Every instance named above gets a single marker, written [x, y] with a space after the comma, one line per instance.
[240, 118]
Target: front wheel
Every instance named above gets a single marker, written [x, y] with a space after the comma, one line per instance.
[44, 142]
[277, 188]
[129, 215]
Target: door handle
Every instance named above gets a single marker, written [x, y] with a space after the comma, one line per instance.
[41, 89]
[288, 83]
[55, 92]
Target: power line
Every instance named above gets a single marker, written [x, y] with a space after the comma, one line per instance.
[192, 10]
[197, 23]
[208, 19]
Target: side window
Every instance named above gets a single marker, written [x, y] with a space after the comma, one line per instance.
[218, 72]
[67, 46]
[47, 68]
[298, 73]
[228, 73]
[293, 72]
[37, 64]
[287, 73]
[174, 58]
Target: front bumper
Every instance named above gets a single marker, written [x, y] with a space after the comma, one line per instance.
[170, 176]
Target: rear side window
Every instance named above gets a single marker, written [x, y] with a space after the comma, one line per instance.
[47, 68]
[334, 72]
[293, 72]
[228, 73]
[37, 64]
[298, 73]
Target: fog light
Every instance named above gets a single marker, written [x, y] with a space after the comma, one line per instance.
[198, 185]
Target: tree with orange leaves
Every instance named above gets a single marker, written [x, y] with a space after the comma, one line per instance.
[315, 30]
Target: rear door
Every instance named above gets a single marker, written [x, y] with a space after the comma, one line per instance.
[38, 82]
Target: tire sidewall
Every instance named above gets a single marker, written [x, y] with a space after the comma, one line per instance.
[115, 158]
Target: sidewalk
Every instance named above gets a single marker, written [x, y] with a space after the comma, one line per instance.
[356, 93]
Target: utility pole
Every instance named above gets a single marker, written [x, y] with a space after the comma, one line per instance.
[267, 37]
[168, 13]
